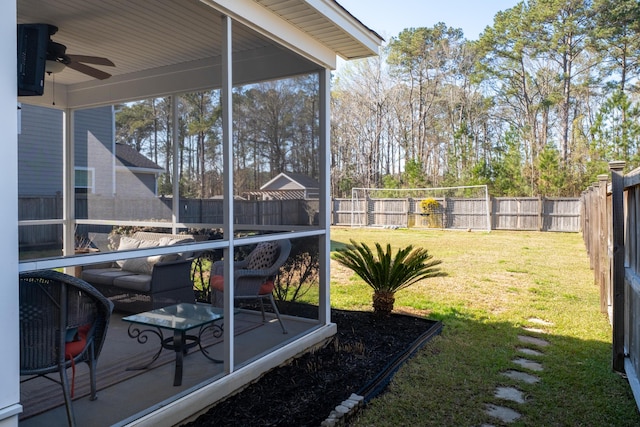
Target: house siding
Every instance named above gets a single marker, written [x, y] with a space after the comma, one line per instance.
[138, 184]
[40, 149]
[284, 183]
[40, 152]
[94, 146]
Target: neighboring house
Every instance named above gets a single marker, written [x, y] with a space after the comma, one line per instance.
[135, 173]
[288, 185]
[97, 171]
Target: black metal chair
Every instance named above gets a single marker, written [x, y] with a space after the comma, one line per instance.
[63, 321]
[252, 282]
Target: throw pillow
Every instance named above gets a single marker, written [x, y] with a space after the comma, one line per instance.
[127, 243]
[217, 282]
[78, 342]
[148, 244]
[263, 256]
[166, 241]
[72, 335]
[266, 288]
[180, 241]
[75, 347]
[137, 265]
[140, 265]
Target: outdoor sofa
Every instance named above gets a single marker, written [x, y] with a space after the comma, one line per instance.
[142, 284]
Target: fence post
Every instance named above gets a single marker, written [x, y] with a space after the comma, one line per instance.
[407, 204]
[492, 213]
[540, 213]
[366, 209]
[332, 211]
[617, 262]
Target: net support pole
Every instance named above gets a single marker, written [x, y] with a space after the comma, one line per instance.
[488, 201]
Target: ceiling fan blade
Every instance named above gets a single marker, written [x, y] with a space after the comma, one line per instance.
[97, 60]
[90, 71]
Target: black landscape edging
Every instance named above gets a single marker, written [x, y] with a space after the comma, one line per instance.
[380, 381]
[356, 401]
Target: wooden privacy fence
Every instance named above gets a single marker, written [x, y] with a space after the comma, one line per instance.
[504, 213]
[37, 208]
[611, 230]
[298, 212]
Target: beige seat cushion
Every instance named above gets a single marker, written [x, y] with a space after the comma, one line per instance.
[103, 276]
[137, 265]
[135, 282]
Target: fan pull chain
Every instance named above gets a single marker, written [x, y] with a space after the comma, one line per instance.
[53, 92]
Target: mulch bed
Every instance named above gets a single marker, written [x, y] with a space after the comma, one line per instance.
[304, 392]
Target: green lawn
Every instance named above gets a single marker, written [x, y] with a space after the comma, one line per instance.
[497, 283]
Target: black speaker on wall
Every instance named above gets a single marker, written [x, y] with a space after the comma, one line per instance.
[32, 58]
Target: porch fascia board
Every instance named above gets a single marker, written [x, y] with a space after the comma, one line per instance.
[267, 23]
[349, 24]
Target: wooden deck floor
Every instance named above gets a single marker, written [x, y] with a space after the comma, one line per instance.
[125, 395]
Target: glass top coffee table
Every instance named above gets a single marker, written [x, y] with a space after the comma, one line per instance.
[179, 318]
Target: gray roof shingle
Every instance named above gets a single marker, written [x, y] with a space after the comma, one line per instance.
[130, 158]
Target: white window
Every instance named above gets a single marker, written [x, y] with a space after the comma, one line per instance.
[85, 180]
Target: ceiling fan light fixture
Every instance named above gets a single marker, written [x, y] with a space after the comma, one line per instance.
[54, 67]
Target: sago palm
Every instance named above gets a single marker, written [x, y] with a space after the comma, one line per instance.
[386, 273]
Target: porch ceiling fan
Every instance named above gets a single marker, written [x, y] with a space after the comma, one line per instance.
[58, 59]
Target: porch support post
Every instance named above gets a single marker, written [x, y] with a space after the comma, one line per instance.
[68, 186]
[617, 261]
[10, 406]
[114, 188]
[227, 206]
[175, 206]
[324, 303]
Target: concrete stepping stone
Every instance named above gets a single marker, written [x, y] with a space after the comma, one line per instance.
[521, 376]
[533, 340]
[506, 415]
[535, 330]
[528, 364]
[538, 321]
[530, 351]
[509, 393]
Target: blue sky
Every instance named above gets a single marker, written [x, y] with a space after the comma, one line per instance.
[389, 17]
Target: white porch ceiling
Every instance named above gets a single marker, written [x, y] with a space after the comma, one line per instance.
[152, 38]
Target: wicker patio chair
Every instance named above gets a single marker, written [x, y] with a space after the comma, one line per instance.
[63, 321]
[253, 276]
